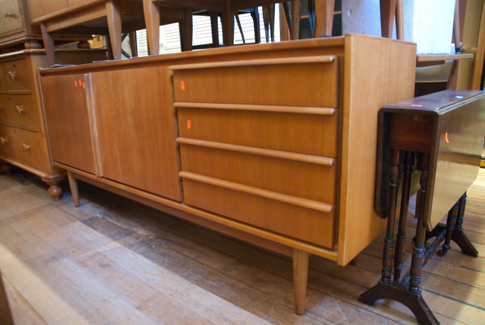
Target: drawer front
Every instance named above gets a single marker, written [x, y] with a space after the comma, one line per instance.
[305, 224]
[290, 82]
[11, 20]
[6, 141]
[308, 180]
[20, 111]
[23, 146]
[17, 75]
[302, 133]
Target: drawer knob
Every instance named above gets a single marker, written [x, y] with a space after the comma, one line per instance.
[13, 75]
[3, 140]
[26, 147]
[20, 109]
[7, 14]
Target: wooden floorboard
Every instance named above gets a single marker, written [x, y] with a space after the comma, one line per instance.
[114, 261]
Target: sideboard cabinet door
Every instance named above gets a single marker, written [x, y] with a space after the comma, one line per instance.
[136, 130]
[68, 119]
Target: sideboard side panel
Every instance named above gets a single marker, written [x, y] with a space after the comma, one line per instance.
[377, 72]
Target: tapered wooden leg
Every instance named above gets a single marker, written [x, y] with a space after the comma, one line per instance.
[227, 18]
[48, 45]
[300, 278]
[113, 10]
[151, 11]
[323, 18]
[215, 28]
[73, 187]
[238, 21]
[133, 47]
[295, 19]
[388, 11]
[400, 20]
[257, 28]
[186, 30]
[54, 190]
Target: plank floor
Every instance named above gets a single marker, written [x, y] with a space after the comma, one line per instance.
[115, 261]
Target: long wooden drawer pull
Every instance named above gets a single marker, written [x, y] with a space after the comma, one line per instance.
[20, 109]
[3, 140]
[319, 160]
[259, 108]
[26, 147]
[241, 63]
[13, 75]
[310, 204]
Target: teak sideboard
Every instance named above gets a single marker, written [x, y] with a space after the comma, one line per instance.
[23, 140]
[274, 144]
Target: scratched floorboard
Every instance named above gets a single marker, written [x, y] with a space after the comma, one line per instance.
[114, 261]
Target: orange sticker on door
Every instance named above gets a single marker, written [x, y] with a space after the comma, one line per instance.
[189, 125]
[182, 85]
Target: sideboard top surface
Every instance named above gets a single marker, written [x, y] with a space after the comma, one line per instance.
[304, 46]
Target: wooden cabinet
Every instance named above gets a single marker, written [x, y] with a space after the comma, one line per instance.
[22, 130]
[15, 23]
[39, 8]
[70, 137]
[274, 144]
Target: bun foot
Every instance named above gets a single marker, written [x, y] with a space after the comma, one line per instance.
[55, 191]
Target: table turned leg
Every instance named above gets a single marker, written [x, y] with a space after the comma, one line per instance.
[418, 248]
[391, 216]
[73, 187]
[401, 234]
[410, 296]
[300, 278]
[450, 227]
[456, 232]
[458, 235]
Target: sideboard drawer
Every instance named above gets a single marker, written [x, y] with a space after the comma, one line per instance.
[298, 81]
[17, 75]
[314, 134]
[297, 221]
[298, 175]
[26, 148]
[19, 110]
[2, 78]
[6, 141]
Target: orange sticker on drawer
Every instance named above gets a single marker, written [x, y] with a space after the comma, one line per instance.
[75, 83]
[189, 124]
[182, 85]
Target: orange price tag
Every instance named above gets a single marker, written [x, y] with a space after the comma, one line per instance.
[189, 124]
[182, 85]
